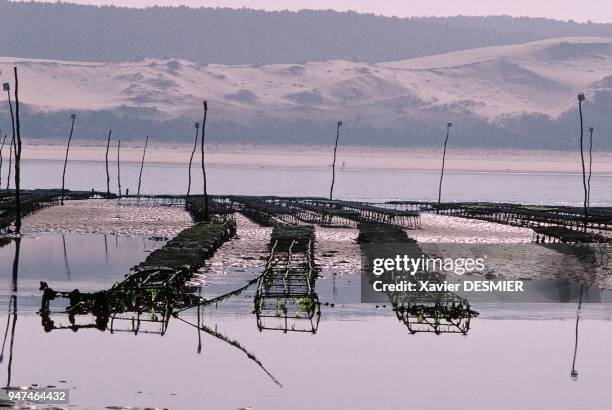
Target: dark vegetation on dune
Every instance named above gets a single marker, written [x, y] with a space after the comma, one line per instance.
[67, 31]
[529, 131]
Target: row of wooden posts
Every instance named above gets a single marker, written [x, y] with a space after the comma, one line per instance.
[144, 153]
[586, 178]
[15, 147]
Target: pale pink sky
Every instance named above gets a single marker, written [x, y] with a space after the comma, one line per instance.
[579, 10]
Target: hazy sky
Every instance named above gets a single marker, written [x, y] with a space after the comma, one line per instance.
[579, 10]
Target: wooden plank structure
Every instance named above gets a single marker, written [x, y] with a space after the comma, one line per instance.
[365, 212]
[568, 221]
[286, 293]
[154, 200]
[419, 311]
[151, 293]
[313, 213]
[551, 224]
[217, 205]
[263, 211]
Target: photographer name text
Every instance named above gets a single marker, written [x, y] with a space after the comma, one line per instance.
[465, 286]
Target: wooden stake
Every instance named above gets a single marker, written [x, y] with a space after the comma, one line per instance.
[10, 167]
[581, 98]
[119, 166]
[331, 190]
[195, 145]
[142, 165]
[72, 117]
[107, 174]
[17, 155]
[591, 129]
[448, 127]
[1, 149]
[7, 87]
[206, 215]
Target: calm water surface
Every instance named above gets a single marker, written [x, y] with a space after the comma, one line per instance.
[370, 185]
[360, 357]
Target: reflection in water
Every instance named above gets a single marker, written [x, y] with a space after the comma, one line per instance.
[66, 264]
[231, 342]
[105, 248]
[146, 296]
[8, 323]
[574, 372]
[12, 342]
[432, 311]
[13, 303]
[12, 320]
[147, 299]
[143, 303]
[139, 321]
[16, 263]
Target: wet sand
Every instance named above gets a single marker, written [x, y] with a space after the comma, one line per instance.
[109, 217]
[441, 228]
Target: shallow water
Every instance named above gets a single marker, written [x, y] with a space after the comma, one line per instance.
[86, 261]
[109, 217]
[354, 184]
[361, 356]
[367, 362]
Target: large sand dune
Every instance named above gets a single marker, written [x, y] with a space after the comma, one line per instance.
[492, 83]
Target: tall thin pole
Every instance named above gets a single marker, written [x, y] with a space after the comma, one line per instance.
[17, 156]
[581, 98]
[1, 149]
[206, 216]
[10, 167]
[331, 189]
[119, 166]
[107, 173]
[448, 127]
[144, 152]
[7, 87]
[72, 117]
[195, 146]
[591, 129]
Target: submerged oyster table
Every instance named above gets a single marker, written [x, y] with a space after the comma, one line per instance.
[286, 291]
